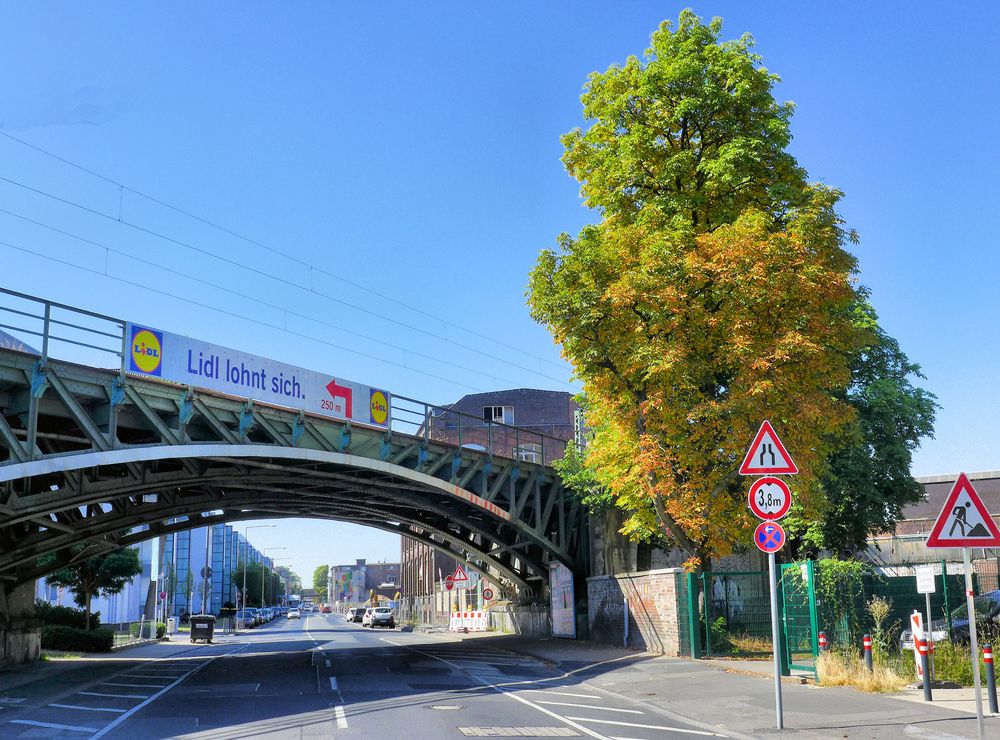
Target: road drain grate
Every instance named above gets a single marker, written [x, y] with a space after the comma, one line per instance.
[518, 732]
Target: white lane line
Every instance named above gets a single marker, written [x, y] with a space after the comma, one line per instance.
[648, 727]
[52, 725]
[87, 709]
[144, 675]
[341, 717]
[333, 684]
[501, 690]
[149, 700]
[564, 693]
[135, 685]
[328, 664]
[113, 696]
[589, 706]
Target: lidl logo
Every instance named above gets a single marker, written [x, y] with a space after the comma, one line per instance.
[146, 351]
[379, 407]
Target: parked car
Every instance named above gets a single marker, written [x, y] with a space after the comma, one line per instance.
[382, 616]
[326, 609]
[366, 618]
[987, 618]
[294, 614]
[356, 615]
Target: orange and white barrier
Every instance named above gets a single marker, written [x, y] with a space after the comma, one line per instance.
[468, 621]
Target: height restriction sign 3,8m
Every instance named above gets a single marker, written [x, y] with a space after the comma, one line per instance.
[769, 498]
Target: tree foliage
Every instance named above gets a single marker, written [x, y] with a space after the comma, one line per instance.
[320, 576]
[715, 291]
[256, 574]
[103, 575]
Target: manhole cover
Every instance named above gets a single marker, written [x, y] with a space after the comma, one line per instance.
[445, 707]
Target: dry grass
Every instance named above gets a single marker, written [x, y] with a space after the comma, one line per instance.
[838, 670]
[749, 644]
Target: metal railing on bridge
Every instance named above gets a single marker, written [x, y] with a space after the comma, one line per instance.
[92, 338]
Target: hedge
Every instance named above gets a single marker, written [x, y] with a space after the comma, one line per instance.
[133, 629]
[67, 616]
[60, 637]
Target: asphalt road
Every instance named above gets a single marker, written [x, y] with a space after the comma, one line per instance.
[324, 677]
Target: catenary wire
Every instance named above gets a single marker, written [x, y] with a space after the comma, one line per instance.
[236, 315]
[271, 249]
[271, 276]
[247, 296]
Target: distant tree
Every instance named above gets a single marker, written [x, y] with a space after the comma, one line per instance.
[253, 595]
[103, 575]
[320, 576]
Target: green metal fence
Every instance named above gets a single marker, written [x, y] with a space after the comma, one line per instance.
[727, 614]
[799, 616]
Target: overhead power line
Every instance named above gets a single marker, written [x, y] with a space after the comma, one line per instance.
[234, 314]
[273, 250]
[246, 296]
[271, 276]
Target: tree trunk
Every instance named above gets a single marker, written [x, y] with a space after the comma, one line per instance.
[86, 601]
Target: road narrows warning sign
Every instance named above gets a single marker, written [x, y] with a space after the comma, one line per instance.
[767, 455]
[964, 520]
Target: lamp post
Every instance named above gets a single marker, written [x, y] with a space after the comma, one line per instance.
[243, 593]
[263, 557]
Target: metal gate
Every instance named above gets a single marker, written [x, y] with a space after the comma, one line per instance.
[800, 620]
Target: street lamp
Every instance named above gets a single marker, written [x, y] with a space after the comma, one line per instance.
[243, 606]
[263, 556]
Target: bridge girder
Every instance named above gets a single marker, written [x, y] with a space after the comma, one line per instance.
[106, 442]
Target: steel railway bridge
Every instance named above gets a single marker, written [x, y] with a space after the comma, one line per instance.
[104, 458]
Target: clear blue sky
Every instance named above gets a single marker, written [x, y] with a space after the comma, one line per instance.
[413, 149]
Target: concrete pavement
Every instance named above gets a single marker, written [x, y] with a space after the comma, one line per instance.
[737, 697]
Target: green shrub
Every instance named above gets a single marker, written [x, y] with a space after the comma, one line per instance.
[66, 616]
[60, 637]
[161, 630]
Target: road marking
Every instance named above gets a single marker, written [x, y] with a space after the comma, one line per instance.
[648, 727]
[52, 725]
[333, 684]
[86, 709]
[563, 693]
[341, 717]
[135, 685]
[589, 706]
[500, 690]
[149, 700]
[113, 696]
[328, 664]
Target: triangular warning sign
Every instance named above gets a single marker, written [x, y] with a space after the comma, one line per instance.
[964, 520]
[460, 575]
[767, 456]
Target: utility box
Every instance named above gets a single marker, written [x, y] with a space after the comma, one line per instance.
[202, 627]
[171, 625]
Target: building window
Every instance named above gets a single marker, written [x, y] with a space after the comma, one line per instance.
[531, 453]
[500, 414]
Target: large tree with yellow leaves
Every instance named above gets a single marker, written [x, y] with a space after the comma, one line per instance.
[716, 290]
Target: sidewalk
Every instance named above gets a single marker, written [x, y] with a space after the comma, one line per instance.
[736, 698]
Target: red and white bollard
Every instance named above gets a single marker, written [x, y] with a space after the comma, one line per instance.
[867, 642]
[823, 644]
[925, 671]
[991, 677]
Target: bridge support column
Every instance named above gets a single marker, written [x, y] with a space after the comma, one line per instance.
[20, 632]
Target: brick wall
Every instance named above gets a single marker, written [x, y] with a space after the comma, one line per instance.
[652, 606]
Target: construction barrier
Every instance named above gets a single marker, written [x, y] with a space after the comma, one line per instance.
[468, 621]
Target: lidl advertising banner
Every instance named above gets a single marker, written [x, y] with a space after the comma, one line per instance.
[160, 354]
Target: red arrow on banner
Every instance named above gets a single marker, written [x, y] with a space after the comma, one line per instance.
[341, 391]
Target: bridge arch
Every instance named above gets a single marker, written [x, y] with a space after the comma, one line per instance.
[118, 459]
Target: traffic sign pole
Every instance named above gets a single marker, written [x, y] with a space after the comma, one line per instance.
[973, 639]
[772, 568]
